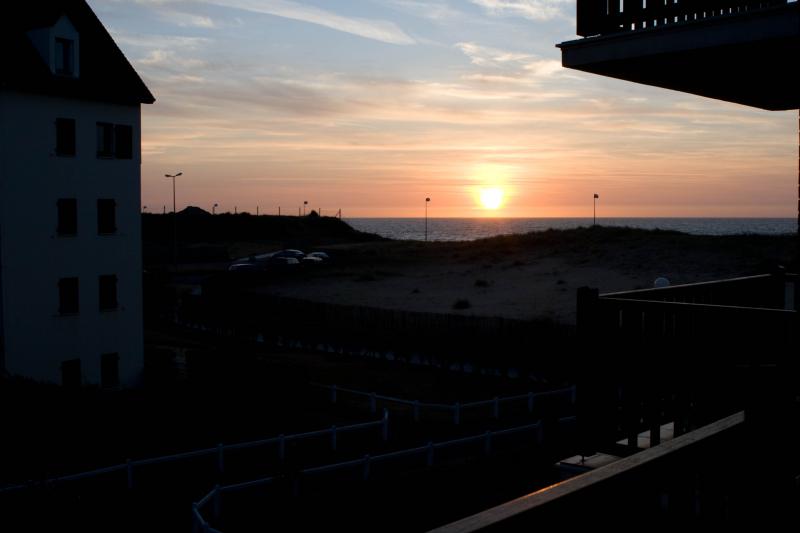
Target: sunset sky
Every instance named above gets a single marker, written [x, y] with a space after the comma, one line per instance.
[373, 105]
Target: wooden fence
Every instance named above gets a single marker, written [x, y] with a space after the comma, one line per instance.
[486, 341]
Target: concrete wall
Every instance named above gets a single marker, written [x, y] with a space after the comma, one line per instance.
[33, 257]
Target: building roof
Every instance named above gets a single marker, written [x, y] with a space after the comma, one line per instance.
[105, 73]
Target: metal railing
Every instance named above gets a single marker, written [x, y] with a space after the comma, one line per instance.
[603, 17]
[427, 453]
[456, 409]
[218, 451]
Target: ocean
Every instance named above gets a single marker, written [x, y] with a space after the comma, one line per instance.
[469, 229]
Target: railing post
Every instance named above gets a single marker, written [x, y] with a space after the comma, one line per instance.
[487, 443]
[457, 413]
[416, 410]
[220, 459]
[385, 425]
[573, 393]
[217, 503]
[540, 433]
[129, 466]
[430, 453]
[530, 402]
[333, 438]
[367, 461]
[333, 393]
[373, 407]
[282, 447]
[496, 408]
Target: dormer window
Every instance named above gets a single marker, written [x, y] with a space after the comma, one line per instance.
[64, 57]
[59, 47]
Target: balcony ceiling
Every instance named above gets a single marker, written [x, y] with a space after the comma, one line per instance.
[750, 59]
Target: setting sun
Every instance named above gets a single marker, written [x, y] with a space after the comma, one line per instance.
[491, 198]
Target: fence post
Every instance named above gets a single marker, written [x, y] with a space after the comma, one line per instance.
[372, 403]
[416, 410]
[333, 437]
[333, 393]
[530, 402]
[457, 413]
[366, 467]
[496, 408]
[487, 443]
[385, 427]
[282, 447]
[430, 453]
[130, 473]
[196, 525]
[217, 504]
[220, 458]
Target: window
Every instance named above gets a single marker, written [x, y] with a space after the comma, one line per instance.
[114, 141]
[68, 296]
[67, 216]
[105, 139]
[65, 137]
[108, 292]
[65, 57]
[109, 370]
[71, 373]
[106, 216]
[123, 141]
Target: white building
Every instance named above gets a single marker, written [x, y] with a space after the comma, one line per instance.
[70, 228]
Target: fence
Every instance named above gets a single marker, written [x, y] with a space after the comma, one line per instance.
[601, 17]
[456, 409]
[226, 307]
[218, 452]
[364, 466]
[738, 313]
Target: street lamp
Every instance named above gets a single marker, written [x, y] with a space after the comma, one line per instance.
[214, 209]
[426, 218]
[594, 216]
[305, 203]
[174, 222]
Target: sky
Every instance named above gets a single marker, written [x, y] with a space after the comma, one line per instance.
[372, 106]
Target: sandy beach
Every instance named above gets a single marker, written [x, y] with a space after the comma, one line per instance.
[531, 276]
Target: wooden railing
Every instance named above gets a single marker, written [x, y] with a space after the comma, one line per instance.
[602, 17]
[742, 312]
[691, 479]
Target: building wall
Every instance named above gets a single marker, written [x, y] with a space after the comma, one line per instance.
[33, 257]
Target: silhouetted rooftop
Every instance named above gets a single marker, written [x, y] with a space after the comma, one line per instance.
[105, 73]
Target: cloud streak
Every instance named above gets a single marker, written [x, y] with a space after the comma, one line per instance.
[377, 30]
[530, 9]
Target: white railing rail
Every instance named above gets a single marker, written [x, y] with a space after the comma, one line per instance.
[428, 452]
[281, 440]
[456, 408]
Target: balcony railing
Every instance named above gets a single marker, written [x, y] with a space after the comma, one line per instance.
[603, 17]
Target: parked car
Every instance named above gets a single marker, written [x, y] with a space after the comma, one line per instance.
[320, 255]
[245, 267]
[280, 262]
[312, 260]
[296, 254]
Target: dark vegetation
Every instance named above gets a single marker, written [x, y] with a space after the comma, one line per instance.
[203, 237]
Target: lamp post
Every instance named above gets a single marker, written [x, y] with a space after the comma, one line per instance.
[305, 203]
[214, 209]
[594, 216]
[426, 218]
[174, 222]
[144, 208]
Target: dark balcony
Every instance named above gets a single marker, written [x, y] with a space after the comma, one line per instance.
[734, 50]
[717, 361]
